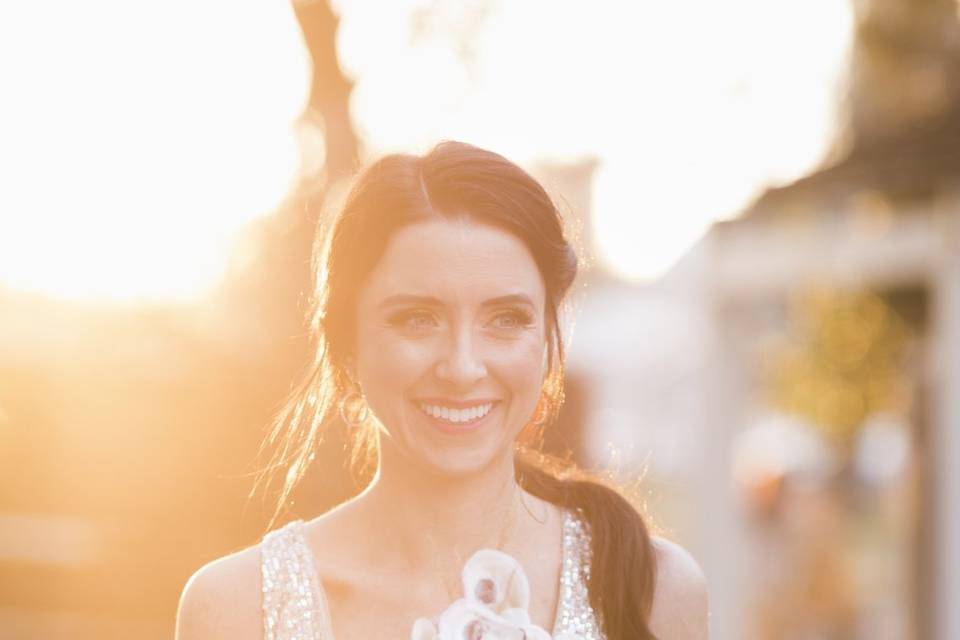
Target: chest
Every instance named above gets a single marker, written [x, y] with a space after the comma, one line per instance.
[301, 602]
[373, 606]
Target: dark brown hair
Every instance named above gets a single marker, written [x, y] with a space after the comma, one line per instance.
[455, 179]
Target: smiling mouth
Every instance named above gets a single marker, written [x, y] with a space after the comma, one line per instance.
[456, 417]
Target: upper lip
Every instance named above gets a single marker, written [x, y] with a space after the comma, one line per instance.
[456, 404]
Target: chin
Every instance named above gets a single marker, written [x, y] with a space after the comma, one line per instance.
[460, 464]
[456, 462]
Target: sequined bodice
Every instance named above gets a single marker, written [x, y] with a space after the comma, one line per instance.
[295, 606]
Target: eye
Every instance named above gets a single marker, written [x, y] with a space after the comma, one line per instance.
[513, 319]
[414, 319]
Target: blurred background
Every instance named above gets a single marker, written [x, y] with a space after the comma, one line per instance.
[766, 195]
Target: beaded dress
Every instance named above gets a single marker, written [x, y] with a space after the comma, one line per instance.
[295, 606]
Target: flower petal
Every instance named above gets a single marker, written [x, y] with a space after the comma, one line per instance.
[423, 629]
[470, 620]
[516, 616]
[497, 580]
[533, 632]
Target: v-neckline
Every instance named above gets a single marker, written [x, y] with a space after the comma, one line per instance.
[324, 604]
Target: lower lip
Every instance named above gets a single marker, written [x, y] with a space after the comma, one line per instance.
[460, 427]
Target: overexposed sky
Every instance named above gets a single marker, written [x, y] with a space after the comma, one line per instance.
[137, 139]
[691, 107]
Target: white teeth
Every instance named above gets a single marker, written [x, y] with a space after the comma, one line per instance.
[456, 415]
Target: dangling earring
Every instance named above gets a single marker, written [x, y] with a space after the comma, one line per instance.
[345, 407]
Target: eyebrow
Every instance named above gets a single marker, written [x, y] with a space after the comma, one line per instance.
[428, 300]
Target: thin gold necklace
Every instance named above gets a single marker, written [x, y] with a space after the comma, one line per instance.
[501, 541]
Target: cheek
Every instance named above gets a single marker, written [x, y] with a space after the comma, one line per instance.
[398, 355]
[522, 365]
[387, 361]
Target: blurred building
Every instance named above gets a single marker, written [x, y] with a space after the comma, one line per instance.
[836, 301]
[845, 233]
[791, 386]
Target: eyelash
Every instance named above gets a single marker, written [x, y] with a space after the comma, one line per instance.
[401, 319]
[521, 318]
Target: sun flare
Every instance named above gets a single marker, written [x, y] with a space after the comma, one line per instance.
[139, 138]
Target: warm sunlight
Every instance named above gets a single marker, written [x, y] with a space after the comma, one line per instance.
[131, 163]
[139, 138]
[686, 129]
[705, 319]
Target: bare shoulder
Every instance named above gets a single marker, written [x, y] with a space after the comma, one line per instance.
[680, 606]
[222, 599]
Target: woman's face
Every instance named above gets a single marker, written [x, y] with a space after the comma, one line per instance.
[451, 343]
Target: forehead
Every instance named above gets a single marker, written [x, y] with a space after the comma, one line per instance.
[454, 259]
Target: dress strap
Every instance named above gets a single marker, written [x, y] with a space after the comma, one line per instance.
[292, 605]
[574, 613]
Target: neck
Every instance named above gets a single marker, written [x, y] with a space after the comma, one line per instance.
[430, 519]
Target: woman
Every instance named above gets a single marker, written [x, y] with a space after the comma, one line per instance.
[438, 342]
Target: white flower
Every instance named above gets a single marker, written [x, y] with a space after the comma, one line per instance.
[469, 620]
[423, 629]
[494, 606]
[497, 580]
[519, 617]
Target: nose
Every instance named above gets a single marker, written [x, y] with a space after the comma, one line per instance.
[460, 365]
